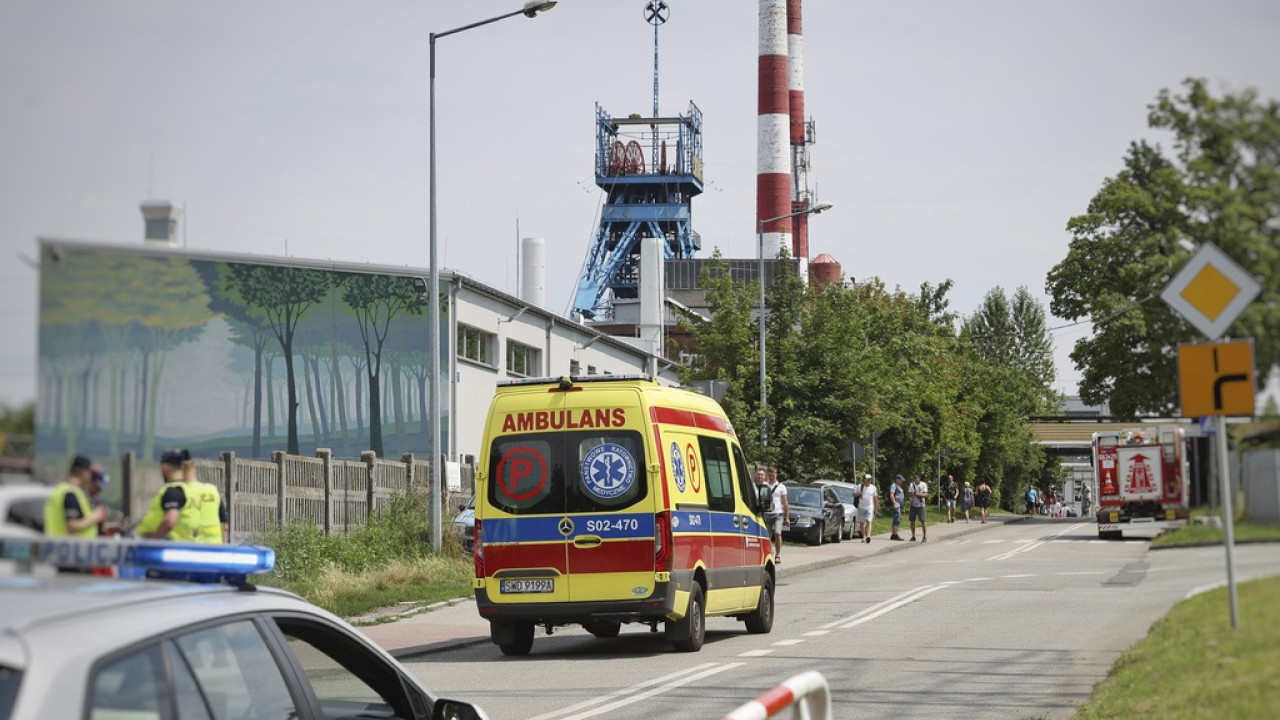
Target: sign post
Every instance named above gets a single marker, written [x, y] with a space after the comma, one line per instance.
[1216, 379]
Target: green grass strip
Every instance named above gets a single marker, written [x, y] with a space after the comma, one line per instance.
[1193, 665]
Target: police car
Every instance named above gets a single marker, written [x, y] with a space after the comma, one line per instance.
[78, 643]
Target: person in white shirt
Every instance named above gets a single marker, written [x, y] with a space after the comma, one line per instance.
[779, 512]
[918, 491]
[866, 507]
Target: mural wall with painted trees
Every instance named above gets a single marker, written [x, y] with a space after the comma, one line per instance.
[140, 351]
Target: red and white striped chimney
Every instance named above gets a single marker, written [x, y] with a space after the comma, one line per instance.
[799, 149]
[773, 161]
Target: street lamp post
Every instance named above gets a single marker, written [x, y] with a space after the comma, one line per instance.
[531, 8]
[764, 394]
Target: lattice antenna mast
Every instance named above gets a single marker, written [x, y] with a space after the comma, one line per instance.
[656, 13]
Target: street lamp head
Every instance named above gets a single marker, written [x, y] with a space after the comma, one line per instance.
[821, 207]
[533, 7]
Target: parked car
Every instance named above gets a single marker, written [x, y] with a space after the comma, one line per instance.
[464, 525]
[845, 492]
[22, 508]
[816, 514]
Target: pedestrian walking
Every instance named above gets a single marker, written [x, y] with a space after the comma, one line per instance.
[918, 492]
[966, 500]
[983, 498]
[1086, 500]
[779, 515]
[951, 491]
[897, 496]
[1030, 497]
[867, 507]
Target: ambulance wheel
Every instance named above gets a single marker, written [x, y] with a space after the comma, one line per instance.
[690, 630]
[760, 621]
[604, 628]
[520, 639]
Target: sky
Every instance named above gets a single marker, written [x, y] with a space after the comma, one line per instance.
[955, 140]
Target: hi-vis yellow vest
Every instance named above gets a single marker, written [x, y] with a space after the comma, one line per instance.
[55, 518]
[188, 516]
[208, 525]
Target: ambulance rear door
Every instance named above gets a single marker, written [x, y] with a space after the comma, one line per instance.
[573, 483]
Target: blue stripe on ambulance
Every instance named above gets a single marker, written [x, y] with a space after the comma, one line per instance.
[546, 528]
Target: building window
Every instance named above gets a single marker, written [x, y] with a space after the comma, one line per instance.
[523, 359]
[575, 368]
[591, 369]
[476, 344]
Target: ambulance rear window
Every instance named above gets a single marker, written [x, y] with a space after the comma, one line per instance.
[558, 472]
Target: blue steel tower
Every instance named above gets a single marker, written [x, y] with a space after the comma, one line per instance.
[644, 198]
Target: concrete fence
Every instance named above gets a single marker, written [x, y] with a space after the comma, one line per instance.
[336, 495]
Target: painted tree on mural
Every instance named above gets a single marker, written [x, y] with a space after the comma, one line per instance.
[151, 306]
[376, 300]
[251, 328]
[284, 295]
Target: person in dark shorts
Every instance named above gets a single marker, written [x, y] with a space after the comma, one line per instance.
[897, 497]
[983, 497]
[918, 492]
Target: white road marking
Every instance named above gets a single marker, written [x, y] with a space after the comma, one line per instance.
[873, 608]
[1204, 589]
[891, 607]
[786, 643]
[1011, 553]
[977, 579]
[755, 653]
[636, 693]
[817, 633]
[1023, 575]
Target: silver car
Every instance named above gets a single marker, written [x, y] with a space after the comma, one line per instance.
[845, 491]
[85, 646]
[22, 508]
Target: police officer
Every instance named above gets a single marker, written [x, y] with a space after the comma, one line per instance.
[213, 521]
[68, 510]
[183, 508]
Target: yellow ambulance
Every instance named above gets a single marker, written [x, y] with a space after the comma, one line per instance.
[610, 499]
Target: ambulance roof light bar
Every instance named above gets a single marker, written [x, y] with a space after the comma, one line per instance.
[576, 379]
[199, 562]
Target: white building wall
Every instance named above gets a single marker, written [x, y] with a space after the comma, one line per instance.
[509, 318]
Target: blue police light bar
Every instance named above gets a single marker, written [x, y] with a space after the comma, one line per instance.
[145, 555]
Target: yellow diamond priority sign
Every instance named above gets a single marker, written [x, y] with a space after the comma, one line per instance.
[1211, 291]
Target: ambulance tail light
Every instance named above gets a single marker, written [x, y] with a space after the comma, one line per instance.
[477, 550]
[662, 543]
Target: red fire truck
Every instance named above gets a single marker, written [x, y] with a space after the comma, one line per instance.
[1142, 479]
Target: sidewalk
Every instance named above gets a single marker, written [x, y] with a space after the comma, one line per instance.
[457, 623]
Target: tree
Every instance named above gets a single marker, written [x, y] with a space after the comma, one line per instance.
[376, 300]
[284, 295]
[1220, 185]
[724, 348]
[1014, 335]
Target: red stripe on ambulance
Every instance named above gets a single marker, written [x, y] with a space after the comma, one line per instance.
[689, 418]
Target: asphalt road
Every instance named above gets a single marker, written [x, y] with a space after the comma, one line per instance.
[1018, 621]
